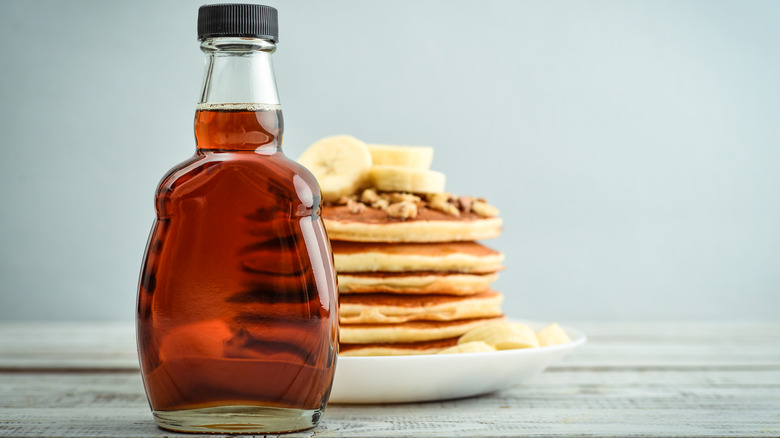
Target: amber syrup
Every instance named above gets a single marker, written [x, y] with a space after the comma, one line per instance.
[236, 301]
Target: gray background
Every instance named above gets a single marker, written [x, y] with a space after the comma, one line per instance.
[632, 147]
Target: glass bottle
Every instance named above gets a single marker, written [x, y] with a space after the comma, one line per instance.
[237, 313]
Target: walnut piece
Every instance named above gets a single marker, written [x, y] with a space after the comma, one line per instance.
[484, 209]
[402, 210]
[465, 203]
[369, 196]
[437, 197]
[356, 207]
[380, 203]
[441, 202]
[444, 206]
[401, 197]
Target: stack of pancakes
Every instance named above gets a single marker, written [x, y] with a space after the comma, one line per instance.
[412, 285]
[411, 277]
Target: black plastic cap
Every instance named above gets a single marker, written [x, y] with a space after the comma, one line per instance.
[238, 20]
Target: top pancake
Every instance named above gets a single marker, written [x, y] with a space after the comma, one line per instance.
[374, 225]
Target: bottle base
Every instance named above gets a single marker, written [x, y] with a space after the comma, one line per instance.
[238, 419]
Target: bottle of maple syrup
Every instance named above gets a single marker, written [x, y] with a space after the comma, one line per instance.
[237, 315]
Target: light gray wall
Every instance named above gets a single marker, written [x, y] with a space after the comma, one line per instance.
[632, 147]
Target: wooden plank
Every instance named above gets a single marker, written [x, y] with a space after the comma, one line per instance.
[112, 346]
[68, 345]
[671, 403]
[682, 388]
[339, 422]
[673, 389]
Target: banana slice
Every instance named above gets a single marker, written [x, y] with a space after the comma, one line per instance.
[553, 334]
[502, 335]
[404, 179]
[469, 347]
[413, 157]
[340, 163]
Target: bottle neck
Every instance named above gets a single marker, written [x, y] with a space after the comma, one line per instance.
[239, 106]
[239, 71]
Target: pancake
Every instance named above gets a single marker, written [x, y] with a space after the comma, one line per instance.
[465, 257]
[393, 308]
[414, 331]
[374, 225]
[416, 283]
[397, 349]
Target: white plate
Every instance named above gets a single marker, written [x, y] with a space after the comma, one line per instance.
[399, 379]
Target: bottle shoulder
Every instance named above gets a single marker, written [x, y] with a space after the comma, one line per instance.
[276, 173]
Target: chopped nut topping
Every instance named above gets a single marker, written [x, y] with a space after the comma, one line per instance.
[355, 207]
[441, 202]
[401, 197]
[438, 198]
[465, 203]
[405, 205]
[444, 206]
[402, 210]
[369, 196]
[380, 204]
[344, 200]
[484, 209]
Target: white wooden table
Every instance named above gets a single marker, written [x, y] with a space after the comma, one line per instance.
[631, 379]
